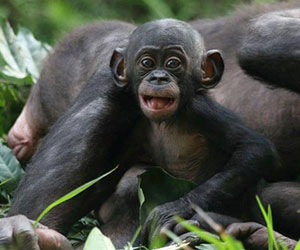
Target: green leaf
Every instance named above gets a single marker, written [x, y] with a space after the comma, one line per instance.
[167, 188]
[297, 246]
[208, 237]
[20, 55]
[10, 169]
[70, 195]
[206, 247]
[34, 51]
[272, 243]
[96, 240]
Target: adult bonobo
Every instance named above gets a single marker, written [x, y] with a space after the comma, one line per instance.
[276, 63]
[147, 105]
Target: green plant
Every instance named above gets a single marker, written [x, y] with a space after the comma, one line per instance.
[70, 195]
[21, 57]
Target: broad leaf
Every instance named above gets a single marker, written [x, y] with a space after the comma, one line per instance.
[97, 240]
[20, 55]
[157, 187]
[10, 169]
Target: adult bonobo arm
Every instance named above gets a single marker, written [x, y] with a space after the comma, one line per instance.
[270, 49]
[255, 236]
[83, 144]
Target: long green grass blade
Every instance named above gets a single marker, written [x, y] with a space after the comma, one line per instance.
[267, 217]
[70, 195]
[136, 234]
[232, 243]
[5, 181]
[208, 237]
[173, 236]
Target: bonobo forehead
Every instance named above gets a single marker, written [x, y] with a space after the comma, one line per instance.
[165, 33]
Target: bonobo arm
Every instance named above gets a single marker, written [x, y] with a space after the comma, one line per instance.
[250, 157]
[271, 49]
[83, 144]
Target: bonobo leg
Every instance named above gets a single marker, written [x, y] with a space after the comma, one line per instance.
[270, 49]
[29, 128]
[120, 213]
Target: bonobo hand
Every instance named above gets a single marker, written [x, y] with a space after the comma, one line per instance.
[197, 220]
[162, 217]
[17, 233]
[255, 236]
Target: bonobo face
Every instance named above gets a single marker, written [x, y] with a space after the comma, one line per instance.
[157, 74]
[166, 65]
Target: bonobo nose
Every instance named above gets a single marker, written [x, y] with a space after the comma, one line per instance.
[159, 78]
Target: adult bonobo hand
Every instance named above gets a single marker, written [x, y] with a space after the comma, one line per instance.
[17, 233]
[255, 236]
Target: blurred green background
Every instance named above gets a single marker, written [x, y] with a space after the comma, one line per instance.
[49, 19]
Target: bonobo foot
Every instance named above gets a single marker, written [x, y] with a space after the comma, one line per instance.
[23, 137]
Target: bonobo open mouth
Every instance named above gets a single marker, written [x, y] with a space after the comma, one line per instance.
[157, 102]
[159, 107]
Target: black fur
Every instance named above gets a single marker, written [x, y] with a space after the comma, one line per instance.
[103, 126]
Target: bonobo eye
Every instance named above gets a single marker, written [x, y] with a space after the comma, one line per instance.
[147, 63]
[173, 63]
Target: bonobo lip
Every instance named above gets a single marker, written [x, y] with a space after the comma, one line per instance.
[158, 103]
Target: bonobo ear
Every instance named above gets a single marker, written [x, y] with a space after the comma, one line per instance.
[213, 67]
[117, 66]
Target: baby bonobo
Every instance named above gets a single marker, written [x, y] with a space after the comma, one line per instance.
[147, 104]
[166, 65]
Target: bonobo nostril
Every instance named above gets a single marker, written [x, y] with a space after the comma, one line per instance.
[159, 77]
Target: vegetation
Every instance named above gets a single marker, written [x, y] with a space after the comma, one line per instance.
[20, 63]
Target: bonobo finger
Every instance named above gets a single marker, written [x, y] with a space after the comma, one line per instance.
[255, 236]
[6, 235]
[190, 237]
[180, 229]
[167, 226]
[17, 233]
[243, 230]
[52, 240]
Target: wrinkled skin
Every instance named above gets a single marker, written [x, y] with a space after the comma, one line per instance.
[255, 236]
[17, 233]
